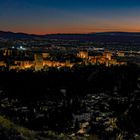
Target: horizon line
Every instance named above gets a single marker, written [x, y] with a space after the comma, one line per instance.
[57, 33]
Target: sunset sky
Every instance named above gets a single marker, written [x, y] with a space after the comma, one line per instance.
[69, 16]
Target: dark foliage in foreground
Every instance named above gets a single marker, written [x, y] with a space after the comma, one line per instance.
[50, 98]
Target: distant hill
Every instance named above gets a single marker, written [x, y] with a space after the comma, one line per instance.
[119, 33]
[106, 37]
[12, 35]
[129, 37]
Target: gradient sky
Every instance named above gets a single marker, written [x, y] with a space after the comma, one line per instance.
[69, 16]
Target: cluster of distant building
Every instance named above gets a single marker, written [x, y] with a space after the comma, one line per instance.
[105, 58]
[22, 59]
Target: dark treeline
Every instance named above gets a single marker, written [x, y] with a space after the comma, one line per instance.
[65, 88]
[80, 80]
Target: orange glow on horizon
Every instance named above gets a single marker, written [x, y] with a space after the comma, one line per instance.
[104, 27]
[75, 32]
[81, 32]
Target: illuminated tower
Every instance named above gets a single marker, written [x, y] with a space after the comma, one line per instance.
[108, 55]
[45, 55]
[38, 61]
[83, 54]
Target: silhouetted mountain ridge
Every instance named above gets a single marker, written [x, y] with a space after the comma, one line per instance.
[12, 35]
[97, 37]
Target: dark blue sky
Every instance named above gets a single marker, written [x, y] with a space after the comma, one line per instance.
[69, 16]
